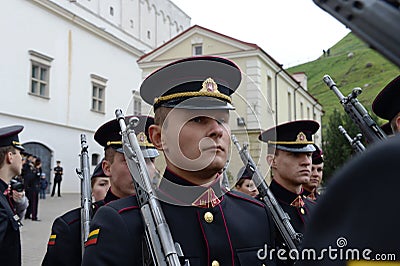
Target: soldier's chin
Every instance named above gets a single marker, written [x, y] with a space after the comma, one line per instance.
[304, 180]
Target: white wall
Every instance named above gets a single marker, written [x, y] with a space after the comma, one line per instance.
[79, 47]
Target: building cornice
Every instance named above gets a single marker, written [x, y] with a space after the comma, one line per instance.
[47, 122]
[67, 15]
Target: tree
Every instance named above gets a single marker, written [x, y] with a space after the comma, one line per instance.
[337, 149]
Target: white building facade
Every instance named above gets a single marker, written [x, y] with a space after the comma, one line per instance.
[268, 95]
[67, 65]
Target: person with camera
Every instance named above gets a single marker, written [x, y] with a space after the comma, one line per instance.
[19, 200]
[10, 166]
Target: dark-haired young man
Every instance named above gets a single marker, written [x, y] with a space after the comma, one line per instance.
[191, 100]
[10, 166]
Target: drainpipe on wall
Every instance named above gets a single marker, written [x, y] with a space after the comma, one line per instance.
[294, 98]
[276, 93]
[313, 111]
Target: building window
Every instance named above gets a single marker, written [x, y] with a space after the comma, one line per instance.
[197, 49]
[111, 11]
[98, 93]
[148, 34]
[95, 159]
[301, 110]
[40, 74]
[131, 23]
[308, 112]
[137, 103]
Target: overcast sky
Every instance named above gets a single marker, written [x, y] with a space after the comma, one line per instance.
[291, 31]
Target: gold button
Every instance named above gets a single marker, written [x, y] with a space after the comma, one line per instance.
[208, 217]
[215, 263]
[302, 211]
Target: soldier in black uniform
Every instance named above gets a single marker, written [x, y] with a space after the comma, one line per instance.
[58, 172]
[386, 104]
[362, 225]
[356, 219]
[289, 156]
[213, 226]
[64, 246]
[10, 166]
[310, 189]
[114, 165]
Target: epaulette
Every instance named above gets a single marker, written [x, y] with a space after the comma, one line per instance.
[71, 216]
[124, 204]
[244, 197]
[308, 200]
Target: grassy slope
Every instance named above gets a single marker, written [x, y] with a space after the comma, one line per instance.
[348, 74]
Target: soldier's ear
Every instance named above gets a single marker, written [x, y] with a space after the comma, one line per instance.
[155, 136]
[106, 167]
[9, 157]
[398, 123]
[271, 159]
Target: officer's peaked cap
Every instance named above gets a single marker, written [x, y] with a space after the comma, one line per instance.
[293, 136]
[9, 136]
[387, 104]
[109, 134]
[201, 82]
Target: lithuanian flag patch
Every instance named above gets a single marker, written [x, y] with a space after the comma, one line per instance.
[52, 240]
[92, 238]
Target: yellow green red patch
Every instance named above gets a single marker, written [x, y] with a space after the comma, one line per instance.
[92, 238]
[52, 240]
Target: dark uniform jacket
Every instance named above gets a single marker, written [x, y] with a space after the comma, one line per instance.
[58, 170]
[10, 242]
[64, 246]
[298, 207]
[211, 226]
[314, 196]
[357, 217]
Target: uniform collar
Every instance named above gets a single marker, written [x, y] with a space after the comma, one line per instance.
[282, 193]
[110, 196]
[3, 186]
[176, 190]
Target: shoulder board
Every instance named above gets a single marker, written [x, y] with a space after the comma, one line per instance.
[124, 204]
[309, 201]
[244, 197]
[71, 216]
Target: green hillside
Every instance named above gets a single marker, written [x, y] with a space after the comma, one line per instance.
[367, 69]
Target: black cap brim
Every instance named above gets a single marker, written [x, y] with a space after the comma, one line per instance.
[304, 149]
[200, 103]
[386, 104]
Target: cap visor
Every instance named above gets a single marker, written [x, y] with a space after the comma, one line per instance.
[307, 148]
[150, 153]
[200, 103]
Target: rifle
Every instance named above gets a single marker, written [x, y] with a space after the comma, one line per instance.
[86, 191]
[280, 217]
[374, 21]
[357, 112]
[162, 249]
[354, 142]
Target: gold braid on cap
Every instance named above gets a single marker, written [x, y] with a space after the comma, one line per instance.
[209, 89]
[114, 142]
[16, 143]
[301, 139]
